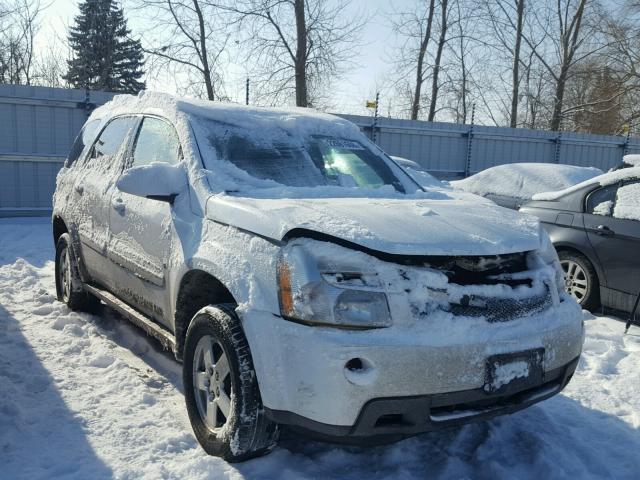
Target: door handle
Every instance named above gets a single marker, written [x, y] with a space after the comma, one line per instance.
[80, 189]
[118, 205]
[604, 230]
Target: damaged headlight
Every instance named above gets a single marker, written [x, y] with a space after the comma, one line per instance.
[311, 291]
[546, 255]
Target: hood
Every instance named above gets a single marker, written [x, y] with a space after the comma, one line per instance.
[395, 226]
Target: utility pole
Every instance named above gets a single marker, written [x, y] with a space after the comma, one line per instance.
[246, 100]
[375, 118]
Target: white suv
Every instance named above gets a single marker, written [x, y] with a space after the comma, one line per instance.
[303, 278]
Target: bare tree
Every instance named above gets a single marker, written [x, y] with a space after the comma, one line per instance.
[186, 34]
[564, 31]
[444, 25]
[19, 23]
[296, 47]
[50, 65]
[506, 19]
[421, 23]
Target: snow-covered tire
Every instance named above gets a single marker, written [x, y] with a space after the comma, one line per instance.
[232, 384]
[584, 279]
[69, 287]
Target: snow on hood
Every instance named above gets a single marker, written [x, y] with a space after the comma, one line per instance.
[608, 178]
[395, 226]
[524, 180]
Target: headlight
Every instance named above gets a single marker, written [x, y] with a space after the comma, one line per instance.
[312, 290]
[546, 255]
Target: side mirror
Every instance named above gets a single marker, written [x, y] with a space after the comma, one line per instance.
[156, 181]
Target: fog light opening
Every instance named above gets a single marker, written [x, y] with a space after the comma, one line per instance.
[355, 365]
[360, 371]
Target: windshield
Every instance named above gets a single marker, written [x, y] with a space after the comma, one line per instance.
[297, 161]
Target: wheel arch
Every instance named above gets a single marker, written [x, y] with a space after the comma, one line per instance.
[197, 289]
[569, 247]
[59, 227]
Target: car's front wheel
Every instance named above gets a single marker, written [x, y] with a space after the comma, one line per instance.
[580, 279]
[221, 389]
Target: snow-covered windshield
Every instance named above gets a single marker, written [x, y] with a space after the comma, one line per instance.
[307, 161]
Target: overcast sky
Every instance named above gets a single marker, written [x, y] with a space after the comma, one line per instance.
[348, 94]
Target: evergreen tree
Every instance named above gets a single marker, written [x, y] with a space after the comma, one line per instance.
[104, 56]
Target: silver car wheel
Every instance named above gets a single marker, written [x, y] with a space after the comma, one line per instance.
[64, 273]
[576, 281]
[212, 383]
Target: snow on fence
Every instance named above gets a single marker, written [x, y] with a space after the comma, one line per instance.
[38, 125]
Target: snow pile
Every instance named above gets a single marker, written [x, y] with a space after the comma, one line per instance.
[524, 180]
[407, 226]
[632, 160]
[87, 396]
[628, 202]
[603, 208]
[507, 372]
[608, 178]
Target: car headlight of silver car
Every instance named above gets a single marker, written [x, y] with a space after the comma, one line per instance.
[314, 291]
[547, 256]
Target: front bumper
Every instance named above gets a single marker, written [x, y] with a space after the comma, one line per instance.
[389, 419]
[436, 363]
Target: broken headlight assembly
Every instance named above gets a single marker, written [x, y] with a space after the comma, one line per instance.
[546, 256]
[313, 291]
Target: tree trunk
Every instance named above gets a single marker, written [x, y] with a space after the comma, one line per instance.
[569, 46]
[463, 65]
[301, 55]
[204, 58]
[516, 66]
[558, 100]
[436, 68]
[415, 106]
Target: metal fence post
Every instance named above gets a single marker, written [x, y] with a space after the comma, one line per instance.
[558, 142]
[374, 126]
[467, 167]
[625, 145]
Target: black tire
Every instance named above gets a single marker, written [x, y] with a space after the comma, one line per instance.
[589, 300]
[75, 295]
[246, 433]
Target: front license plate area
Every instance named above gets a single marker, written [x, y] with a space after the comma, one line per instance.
[508, 373]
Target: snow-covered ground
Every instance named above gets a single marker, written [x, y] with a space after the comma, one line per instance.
[85, 396]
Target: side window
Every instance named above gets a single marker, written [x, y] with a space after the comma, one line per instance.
[600, 202]
[112, 137]
[628, 201]
[84, 138]
[157, 142]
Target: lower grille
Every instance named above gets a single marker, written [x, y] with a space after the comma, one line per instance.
[501, 309]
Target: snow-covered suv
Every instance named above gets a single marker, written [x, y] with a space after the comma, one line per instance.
[303, 278]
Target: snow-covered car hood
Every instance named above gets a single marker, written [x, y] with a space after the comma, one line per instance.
[391, 225]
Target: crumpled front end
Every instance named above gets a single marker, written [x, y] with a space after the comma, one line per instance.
[463, 333]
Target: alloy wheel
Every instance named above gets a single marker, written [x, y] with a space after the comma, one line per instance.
[212, 383]
[64, 273]
[576, 281]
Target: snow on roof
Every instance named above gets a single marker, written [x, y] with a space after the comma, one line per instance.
[602, 180]
[524, 180]
[250, 117]
[632, 159]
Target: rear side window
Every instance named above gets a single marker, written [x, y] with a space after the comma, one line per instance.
[628, 201]
[601, 201]
[157, 142]
[84, 138]
[112, 137]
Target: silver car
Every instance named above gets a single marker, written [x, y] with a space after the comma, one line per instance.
[303, 278]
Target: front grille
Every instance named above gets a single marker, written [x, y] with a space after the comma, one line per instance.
[501, 309]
